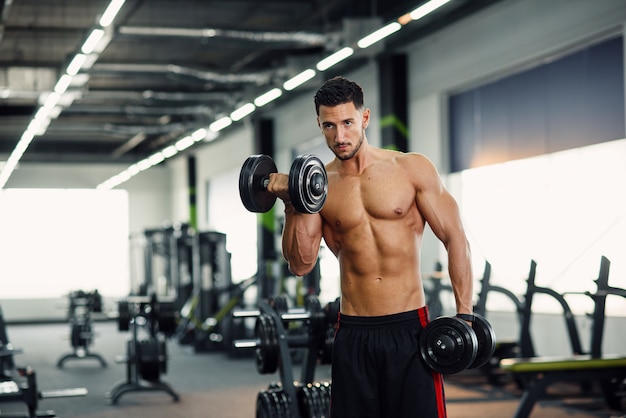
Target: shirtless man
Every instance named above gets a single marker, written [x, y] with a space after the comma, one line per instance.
[373, 221]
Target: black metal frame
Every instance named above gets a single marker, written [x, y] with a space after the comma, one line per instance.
[538, 378]
[82, 304]
[142, 318]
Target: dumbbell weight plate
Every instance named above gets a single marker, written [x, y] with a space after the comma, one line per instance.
[252, 188]
[486, 337]
[264, 407]
[124, 315]
[167, 316]
[448, 345]
[268, 352]
[305, 401]
[148, 360]
[308, 184]
[326, 389]
[276, 402]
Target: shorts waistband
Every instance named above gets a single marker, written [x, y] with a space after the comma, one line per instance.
[409, 317]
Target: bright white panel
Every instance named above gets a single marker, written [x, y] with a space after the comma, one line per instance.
[54, 241]
[563, 210]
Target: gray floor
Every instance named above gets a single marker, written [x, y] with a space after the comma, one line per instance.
[188, 372]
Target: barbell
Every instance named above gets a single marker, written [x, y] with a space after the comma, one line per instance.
[449, 344]
[308, 183]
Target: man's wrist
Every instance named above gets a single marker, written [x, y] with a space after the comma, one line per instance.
[289, 206]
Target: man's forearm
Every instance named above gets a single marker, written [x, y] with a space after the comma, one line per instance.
[300, 241]
[460, 270]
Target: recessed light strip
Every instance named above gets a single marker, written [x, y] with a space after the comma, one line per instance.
[273, 94]
[94, 45]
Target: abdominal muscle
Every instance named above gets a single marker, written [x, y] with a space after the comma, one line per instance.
[379, 266]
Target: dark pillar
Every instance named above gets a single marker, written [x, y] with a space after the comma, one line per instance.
[266, 254]
[191, 184]
[393, 101]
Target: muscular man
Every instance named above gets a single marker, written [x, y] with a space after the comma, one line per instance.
[373, 221]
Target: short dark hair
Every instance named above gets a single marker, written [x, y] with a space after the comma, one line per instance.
[336, 91]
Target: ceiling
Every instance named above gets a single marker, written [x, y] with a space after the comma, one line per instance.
[171, 66]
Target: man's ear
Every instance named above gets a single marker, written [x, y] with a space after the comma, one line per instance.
[366, 117]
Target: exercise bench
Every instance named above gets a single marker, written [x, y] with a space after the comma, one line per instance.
[538, 373]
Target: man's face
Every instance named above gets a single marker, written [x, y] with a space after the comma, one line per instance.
[343, 127]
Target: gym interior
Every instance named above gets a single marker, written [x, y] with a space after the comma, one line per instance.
[155, 259]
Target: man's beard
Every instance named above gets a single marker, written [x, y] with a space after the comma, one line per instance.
[354, 151]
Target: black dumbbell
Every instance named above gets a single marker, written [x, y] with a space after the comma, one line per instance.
[449, 344]
[308, 183]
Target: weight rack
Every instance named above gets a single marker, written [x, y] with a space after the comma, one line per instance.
[146, 358]
[82, 304]
[306, 399]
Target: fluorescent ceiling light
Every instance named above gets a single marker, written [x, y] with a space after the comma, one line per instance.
[381, 33]
[110, 12]
[184, 143]
[242, 112]
[298, 80]
[51, 100]
[55, 112]
[156, 158]
[427, 8]
[335, 58]
[63, 84]
[169, 151]
[133, 169]
[143, 164]
[91, 41]
[75, 64]
[199, 135]
[220, 124]
[89, 61]
[270, 96]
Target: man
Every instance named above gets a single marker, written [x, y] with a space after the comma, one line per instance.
[373, 220]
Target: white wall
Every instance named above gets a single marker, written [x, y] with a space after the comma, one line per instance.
[149, 203]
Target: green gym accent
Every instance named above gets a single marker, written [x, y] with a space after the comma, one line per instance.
[548, 364]
[394, 121]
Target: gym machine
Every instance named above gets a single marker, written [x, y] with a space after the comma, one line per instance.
[275, 338]
[206, 323]
[81, 305]
[167, 254]
[146, 354]
[526, 345]
[537, 373]
[503, 349]
[19, 384]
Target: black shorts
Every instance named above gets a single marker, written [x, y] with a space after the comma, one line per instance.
[377, 370]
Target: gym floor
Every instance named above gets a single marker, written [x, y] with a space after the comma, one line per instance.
[215, 385]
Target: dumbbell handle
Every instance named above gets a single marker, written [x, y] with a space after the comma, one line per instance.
[291, 315]
[292, 341]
